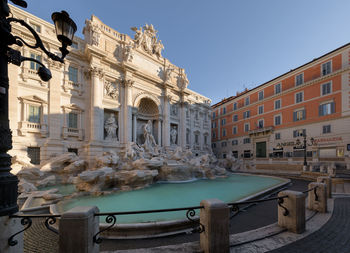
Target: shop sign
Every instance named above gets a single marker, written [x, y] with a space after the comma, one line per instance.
[326, 140]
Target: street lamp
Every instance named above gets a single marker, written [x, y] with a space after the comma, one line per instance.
[65, 29]
[303, 134]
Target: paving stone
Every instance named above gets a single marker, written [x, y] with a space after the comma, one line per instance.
[333, 237]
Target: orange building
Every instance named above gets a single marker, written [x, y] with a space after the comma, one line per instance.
[268, 123]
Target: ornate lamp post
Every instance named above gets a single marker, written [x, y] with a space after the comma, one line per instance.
[65, 29]
[305, 144]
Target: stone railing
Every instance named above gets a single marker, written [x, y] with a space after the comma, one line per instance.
[72, 132]
[82, 223]
[31, 127]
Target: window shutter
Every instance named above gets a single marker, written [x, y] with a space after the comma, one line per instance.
[320, 111]
[304, 132]
[294, 116]
[304, 114]
[332, 107]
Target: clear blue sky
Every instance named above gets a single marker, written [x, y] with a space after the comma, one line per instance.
[224, 45]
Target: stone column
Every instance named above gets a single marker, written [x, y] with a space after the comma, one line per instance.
[294, 221]
[159, 132]
[182, 127]
[328, 182]
[54, 144]
[318, 203]
[134, 128]
[96, 114]
[215, 217]
[95, 117]
[166, 121]
[127, 84]
[8, 227]
[77, 228]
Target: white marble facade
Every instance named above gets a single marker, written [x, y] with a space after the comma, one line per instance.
[100, 99]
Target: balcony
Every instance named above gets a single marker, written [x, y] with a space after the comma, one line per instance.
[261, 131]
[32, 127]
[72, 132]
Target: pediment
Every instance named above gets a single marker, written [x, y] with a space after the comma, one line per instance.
[73, 107]
[33, 98]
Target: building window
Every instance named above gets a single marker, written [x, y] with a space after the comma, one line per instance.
[234, 106]
[73, 150]
[261, 109]
[299, 79]
[246, 127]
[326, 129]
[299, 133]
[205, 139]
[247, 101]
[260, 123]
[234, 130]
[72, 120]
[34, 154]
[34, 65]
[73, 74]
[223, 144]
[36, 27]
[246, 114]
[213, 115]
[224, 110]
[224, 132]
[188, 136]
[213, 145]
[214, 135]
[277, 136]
[299, 97]
[261, 95]
[326, 88]
[326, 68]
[278, 88]
[75, 45]
[299, 115]
[234, 142]
[277, 104]
[196, 139]
[326, 109]
[235, 118]
[278, 120]
[246, 140]
[34, 114]
[223, 122]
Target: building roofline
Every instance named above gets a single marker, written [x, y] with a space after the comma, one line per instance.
[225, 100]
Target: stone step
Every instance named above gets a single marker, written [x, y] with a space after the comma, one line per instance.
[347, 187]
[339, 188]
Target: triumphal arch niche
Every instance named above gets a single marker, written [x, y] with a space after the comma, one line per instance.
[147, 109]
[145, 97]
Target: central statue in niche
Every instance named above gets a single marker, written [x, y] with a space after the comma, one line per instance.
[150, 144]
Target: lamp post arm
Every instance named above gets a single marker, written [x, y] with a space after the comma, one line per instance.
[38, 44]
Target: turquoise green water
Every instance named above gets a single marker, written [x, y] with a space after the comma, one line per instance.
[174, 195]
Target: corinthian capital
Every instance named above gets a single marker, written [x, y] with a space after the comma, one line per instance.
[127, 83]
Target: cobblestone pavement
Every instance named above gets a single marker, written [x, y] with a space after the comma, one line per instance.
[333, 237]
[38, 239]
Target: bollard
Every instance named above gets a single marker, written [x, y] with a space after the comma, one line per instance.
[295, 204]
[319, 204]
[77, 228]
[215, 217]
[328, 182]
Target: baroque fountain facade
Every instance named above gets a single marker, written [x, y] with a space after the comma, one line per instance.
[116, 116]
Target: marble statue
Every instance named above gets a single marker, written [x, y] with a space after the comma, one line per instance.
[111, 127]
[146, 38]
[150, 144]
[157, 48]
[173, 135]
